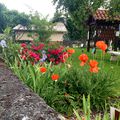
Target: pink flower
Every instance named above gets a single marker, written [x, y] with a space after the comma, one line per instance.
[23, 45]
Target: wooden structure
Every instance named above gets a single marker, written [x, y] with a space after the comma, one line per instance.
[102, 27]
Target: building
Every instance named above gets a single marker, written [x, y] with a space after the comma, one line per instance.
[22, 33]
[102, 26]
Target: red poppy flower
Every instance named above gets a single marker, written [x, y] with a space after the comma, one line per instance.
[55, 77]
[83, 58]
[101, 45]
[23, 45]
[71, 51]
[93, 66]
[94, 70]
[93, 63]
[104, 47]
[43, 69]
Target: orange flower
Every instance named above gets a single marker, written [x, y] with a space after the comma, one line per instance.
[93, 63]
[55, 77]
[43, 69]
[94, 69]
[101, 45]
[71, 51]
[93, 66]
[104, 47]
[83, 58]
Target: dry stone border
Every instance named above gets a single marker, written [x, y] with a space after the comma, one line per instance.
[18, 102]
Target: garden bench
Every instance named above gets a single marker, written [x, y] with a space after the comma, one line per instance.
[114, 55]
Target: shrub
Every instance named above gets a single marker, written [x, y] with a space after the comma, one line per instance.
[10, 52]
[100, 86]
[41, 52]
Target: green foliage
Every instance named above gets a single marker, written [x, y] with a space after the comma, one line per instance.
[73, 32]
[58, 17]
[2, 17]
[115, 7]
[14, 18]
[100, 86]
[87, 112]
[79, 11]
[41, 83]
[41, 26]
[11, 18]
[10, 52]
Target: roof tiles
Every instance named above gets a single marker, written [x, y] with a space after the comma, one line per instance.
[104, 15]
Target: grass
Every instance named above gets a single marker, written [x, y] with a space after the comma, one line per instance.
[107, 65]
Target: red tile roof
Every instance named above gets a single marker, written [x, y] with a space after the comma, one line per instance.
[103, 15]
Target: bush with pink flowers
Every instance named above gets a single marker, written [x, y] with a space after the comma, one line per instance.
[41, 52]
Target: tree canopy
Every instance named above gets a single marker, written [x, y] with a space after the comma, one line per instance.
[80, 10]
[11, 18]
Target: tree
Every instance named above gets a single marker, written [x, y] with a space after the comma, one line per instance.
[73, 33]
[80, 10]
[2, 17]
[114, 7]
[14, 18]
[58, 17]
[42, 27]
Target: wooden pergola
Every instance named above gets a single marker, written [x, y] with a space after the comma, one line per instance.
[102, 27]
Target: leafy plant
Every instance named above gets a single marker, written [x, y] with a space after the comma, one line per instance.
[87, 112]
[100, 86]
[42, 27]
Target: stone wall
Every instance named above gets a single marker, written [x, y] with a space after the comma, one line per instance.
[18, 102]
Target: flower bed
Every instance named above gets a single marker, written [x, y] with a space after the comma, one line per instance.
[50, 72]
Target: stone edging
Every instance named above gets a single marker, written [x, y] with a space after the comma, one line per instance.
[18, 102]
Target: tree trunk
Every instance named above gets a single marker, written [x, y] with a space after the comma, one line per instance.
[88, 46]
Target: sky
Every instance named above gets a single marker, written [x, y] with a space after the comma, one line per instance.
[44, 7]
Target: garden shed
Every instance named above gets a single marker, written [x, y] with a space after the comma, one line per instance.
[21, 33]
[103, 26]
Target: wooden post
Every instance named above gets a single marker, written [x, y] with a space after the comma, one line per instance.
[89, 39]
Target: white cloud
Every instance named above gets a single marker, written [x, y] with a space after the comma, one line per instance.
[45, 7]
